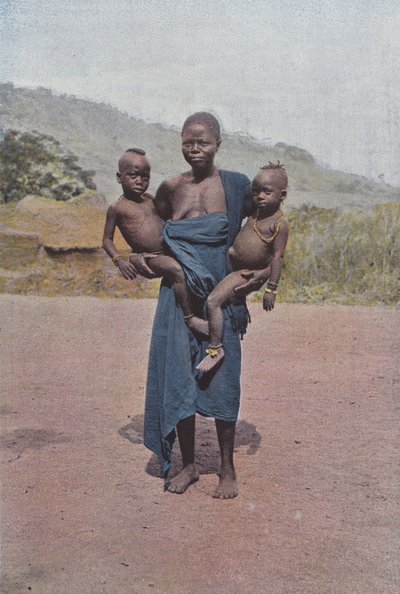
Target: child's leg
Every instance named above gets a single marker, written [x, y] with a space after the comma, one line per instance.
[171, 269]
[224, 291]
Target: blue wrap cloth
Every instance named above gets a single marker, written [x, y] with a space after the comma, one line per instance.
[175, 390]
[187, 239]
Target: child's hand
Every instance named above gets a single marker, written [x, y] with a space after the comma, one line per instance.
[268, 301]
[126, 269]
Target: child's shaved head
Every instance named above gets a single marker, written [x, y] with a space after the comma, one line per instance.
[129, 154]
[205, 119]
[139, 151]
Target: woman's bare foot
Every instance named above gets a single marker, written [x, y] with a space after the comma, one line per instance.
[227, 486]
[186, 477]
[210, 361]
[197, 325]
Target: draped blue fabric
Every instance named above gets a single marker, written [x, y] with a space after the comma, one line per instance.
[186, 239]
[175, 390]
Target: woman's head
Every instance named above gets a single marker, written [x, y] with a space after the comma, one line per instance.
[201, 137]
[205, 119]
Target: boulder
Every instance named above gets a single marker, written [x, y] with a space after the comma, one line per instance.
[17, 248]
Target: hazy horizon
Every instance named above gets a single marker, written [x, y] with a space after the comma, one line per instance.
[318, 75]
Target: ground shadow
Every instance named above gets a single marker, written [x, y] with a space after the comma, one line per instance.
[23, 439]
[207, 451]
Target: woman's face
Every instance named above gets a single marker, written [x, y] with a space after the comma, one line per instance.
[199, 145]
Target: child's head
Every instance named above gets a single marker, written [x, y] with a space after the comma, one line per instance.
[134, 172]
[269, 187]
[201, 137]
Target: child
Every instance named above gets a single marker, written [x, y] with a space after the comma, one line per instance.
[136, 217]
[260, 244]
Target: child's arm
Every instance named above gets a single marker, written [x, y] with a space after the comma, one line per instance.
[126, 268]
[278, 250]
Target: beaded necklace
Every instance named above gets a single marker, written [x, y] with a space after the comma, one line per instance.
[259, 234]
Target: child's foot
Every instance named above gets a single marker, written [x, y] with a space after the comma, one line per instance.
[197, 325]
[227, 486]
[214, 356]
[186, 477]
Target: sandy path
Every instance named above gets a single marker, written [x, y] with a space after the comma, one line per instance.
[83, 511]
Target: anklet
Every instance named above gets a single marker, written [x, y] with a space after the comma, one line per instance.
[214, 350]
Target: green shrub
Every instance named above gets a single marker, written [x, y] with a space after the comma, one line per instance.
[34, 163]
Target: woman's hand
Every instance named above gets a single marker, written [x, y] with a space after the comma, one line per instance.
[126, 269]
[140, 266]
[255, 280]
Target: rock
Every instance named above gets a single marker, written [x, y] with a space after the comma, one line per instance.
[17, 248]
[96, 201]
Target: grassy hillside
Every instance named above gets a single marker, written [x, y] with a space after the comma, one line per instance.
[343, 257]
[99, 133]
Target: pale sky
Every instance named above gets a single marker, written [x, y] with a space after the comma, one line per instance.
[322, 75]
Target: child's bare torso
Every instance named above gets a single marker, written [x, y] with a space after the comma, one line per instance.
[140, 224]
[248, 250]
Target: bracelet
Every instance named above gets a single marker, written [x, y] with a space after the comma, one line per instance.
[116, 258]
[272, 285]
[268, 290]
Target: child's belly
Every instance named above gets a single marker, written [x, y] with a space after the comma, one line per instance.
[248, 251]
[146, 238]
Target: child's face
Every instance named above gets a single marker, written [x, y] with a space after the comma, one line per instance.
[199, 146]
[266, 190]
[134, 174]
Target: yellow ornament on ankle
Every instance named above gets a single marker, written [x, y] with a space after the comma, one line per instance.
[213, 351]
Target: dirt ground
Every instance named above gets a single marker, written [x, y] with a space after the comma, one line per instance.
[83, 510]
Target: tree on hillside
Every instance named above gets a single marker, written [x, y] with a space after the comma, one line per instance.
[35, 163]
